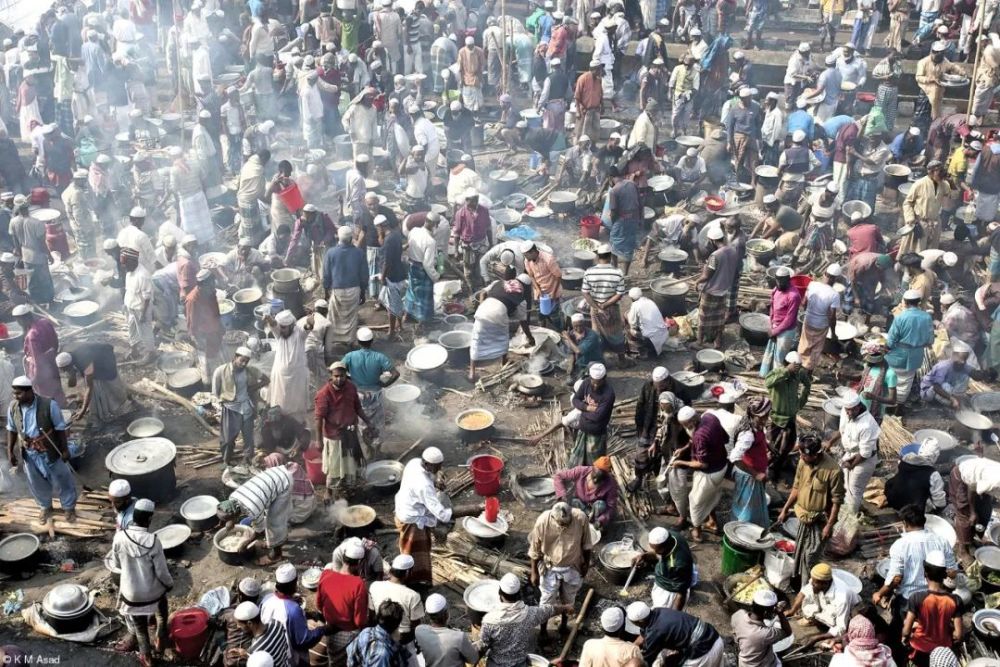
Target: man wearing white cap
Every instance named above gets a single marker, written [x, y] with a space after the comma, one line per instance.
[858, 435]
[755, 637]
[425, 134]
[788, 389]
[584, 344]
[138, 303]
[132, 236]
[646, 326]
[237, 638]
[345, 281]
[917, 481]
[614, 648]
[675, 570]
[361, 122]
[440, 645]
[266, 499]
[203, 147]
[237, 385]
[342, 598]
[145, 579]
[495, 262]
[337, 412]
[719, 275]
[683, 85]
[282, 607]
[595, 399]
[588, 96]
[192, 205]
[471, 65]
[502, 302]
[821, 305]
[418, 508]
[922, 208]
[827, 87]
[122, 502]
[472, 233]
[79, 204]
[783, 328]
[818, 233]
[394, 589]
[797, 73]
[507, 630]
[603, 288]
[697, 643]
[371, 371]
[560, 545]
[288, 388]
[930, 71]
[708, 462]
[369, 562]
[106, 393]
[948, 380]
[910, 334]
[250, 191]
[266, 644]
[28, 235]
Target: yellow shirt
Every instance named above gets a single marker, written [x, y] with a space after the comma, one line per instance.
[820, 486]
[958, 163]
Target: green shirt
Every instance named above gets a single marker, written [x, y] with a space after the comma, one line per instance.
[591, 350]
[531, 23]
[788, 392]
[365, 367]
[675, 571]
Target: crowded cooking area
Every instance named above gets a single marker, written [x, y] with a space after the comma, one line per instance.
[402, 333]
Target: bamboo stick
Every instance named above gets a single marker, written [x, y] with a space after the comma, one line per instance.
[159, 391]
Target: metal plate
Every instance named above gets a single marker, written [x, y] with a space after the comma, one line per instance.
[483, 595]
[945, 440]
[426, 357]
[973, 420]
[745, 534]
[173, 535]
[140, 456]
[200, 508]
[383, 473]
[145, 427]
[18, 547]
[988, 401]
[82, 308]
[941, 528]
[539, 487]
[989, 557]
[847, 580]
[483, 528]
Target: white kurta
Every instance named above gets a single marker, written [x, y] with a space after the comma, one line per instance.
[289, 386]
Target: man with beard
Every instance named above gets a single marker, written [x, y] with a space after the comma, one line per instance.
[345, 280]
[708, 463]
[930, 71]
[237, 386]
[361, 122]
[472, 234]
[337, 411]
[717, 279]
[204, 323]
[79, 204]
[560, 547]
[288, 388]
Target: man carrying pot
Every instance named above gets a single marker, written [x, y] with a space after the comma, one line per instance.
[265, 498]
[37, 423]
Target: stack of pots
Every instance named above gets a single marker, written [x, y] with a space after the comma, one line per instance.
[285, 286]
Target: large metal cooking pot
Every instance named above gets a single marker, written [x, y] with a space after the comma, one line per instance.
[670, 296]
[285, 280]
[227, 555]
[457, 343]
[200, 513]
[186, 382]
[616, 560]
[147, 464]
[502, 183]
[68, 608]
[755, 328]
[692, 385]
[14, 340]
[562, 201]
[971, 425]
[572, 278]
[384, 476]
[173, 538]
[247, 299]
[19, 553]
[896, 175]
[81, 313]
[584, 259]
[672, 260]
[475, 424]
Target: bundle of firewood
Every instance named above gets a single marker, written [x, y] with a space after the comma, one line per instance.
[637, 504]
[493, 563]
[894, 437]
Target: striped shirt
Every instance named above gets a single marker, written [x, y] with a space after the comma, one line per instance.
[260, 491]
[274, 642]
[603, 281]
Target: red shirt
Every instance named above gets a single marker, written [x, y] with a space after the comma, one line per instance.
[864, 238]
[935, 613]
[337, 408]
[343, 599]
[472, 225]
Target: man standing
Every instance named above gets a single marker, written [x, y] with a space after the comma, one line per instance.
[911, 332]
[788, 388]
[625, 209]
[345, 280]
[342, 598]
[708, 461]
[930, 70]
[289, 389]
[603, 288]
[393, 275]
[421, 251]
[821, 305]
[40, 347]
[717, 279]
[37, 423]
[755, 638]
[204, 323]
[418, 508]
[282, 607]
[595, 399]
[132, 237]
[440, 645]
[559, 547]
[816, 497]
[371, 371]
[78, 202]
[145, 578]
[338, 409]
[858, 436]
[237, 386]
[922, 209]
[744, 131]
[138, 302]
[471, 66]
[589, 99]
[265, 498]
[361, 122]
[506, 634]
[28, 234]
[472, 234]
[785, 302]
[250, 191]
[682, 87]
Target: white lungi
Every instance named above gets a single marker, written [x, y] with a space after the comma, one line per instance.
[559, 585]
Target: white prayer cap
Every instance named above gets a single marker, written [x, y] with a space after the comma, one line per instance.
[188, 238]
[834, 270]
[929, 449]
[108, 244]
[857, 215]
[21, 310]
[64, 359]
[686, 413]
[137, 212]
[604, 249]
[344, 233]
[938, 47]
[21, 381]
[793, 358]
[715, 233]
[362, 158]
[260, 659]
[201, 276]
[850, 46]
[914, 130]
[912, 295]
[526, 246]
[949, 258]
[469, 41]
[471, 193]
[432, 455]
[765, 597]
[615, 135]
[365, 334]
[595, 63]
[612, 619]
[658, 536]
[851, 399]
[80, 173]
[783, 271]
[204, 113]
[830, 59]
[267, 125]
[145, 505]
[637, 611]
[947, 299]
[556, 61]
[691, 152]
[249, 586]
[726, 398]
[244, 352]
[739, 55]
[935, 558]
[695, 31]
[402, 562]
[309, 208]
[285, 318]
[524, 278]
[321, 303]
[455, 106]
[598, 371]
[832, 187]
[246, 611]
[772, 95]
[660, 373]
[354, 548]
[769, 199]
[285, 573]
[510, 584]
[119, 488]
[577, 317]
[436, 603]
[745, 92]
[635, 293]
[804, 47]
[960, 347]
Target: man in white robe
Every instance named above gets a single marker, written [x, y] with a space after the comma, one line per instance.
[289, 388]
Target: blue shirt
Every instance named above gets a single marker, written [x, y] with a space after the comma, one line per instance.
[255, 7]
[801, 120]
[896, 147]
[911, 332]
[365, 365]
[344, 267]
[833, 125]
[30, 421]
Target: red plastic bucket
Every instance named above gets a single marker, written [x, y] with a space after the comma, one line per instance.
[492, 508]
[292, 198]
[590, 227]
[314, 466]
[801, 282]
[486, 472]
[189, 631]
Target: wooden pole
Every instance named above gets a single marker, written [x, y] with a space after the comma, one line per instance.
[504, 59]
[975, 66]
[568, 646]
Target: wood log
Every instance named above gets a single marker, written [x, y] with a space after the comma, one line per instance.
[409, 450]
[568, 646]
[159, 391]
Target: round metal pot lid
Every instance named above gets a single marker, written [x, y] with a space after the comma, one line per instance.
[673, 255]
[145, 427]
[199, 508]
[173, 535]
[66, 601]
[427, 357]
[709, 356]
[310, 578]
[988, 401]
[82, 308]
[669, 287]
[755, 322]
[973, 420]
[483, 528]
[483, 595]
[689, 378]
[538, 487]
[988, 556]
[383, 473]
[945, 440]
[563, 197]
[847, 580]
[619, 555]
[745, 534]
[401, 393]
[17, 547]
[140, 457]
[185, 377]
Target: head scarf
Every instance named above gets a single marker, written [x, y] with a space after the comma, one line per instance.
[603, 463]
[759, 407]
[863, 647]
[674, 401]
[943, 657]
